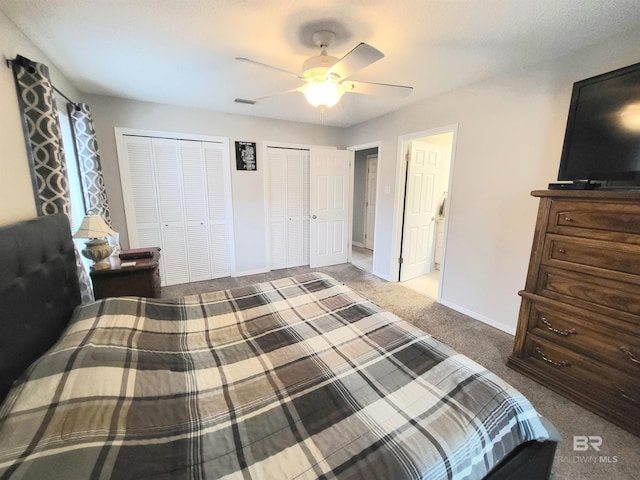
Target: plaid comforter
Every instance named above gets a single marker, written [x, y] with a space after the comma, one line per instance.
[295, 378]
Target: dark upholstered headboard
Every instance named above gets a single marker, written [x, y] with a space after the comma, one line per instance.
[38, 291]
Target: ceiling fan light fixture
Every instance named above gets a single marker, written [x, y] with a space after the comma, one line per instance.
[323, 94]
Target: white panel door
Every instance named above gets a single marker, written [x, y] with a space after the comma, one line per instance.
[195, 210]
[370, 208]
[218, 181]
[329, 206]
[419, 215]
[168, 174]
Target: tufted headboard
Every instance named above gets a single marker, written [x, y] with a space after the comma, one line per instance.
[38, 291]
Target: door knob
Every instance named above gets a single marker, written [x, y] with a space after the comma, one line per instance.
[314, 217]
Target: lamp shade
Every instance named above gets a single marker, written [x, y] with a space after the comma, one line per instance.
[325, 93]
[93, 226]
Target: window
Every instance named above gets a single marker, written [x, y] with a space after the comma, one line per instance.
[73, 173]
[75, 183]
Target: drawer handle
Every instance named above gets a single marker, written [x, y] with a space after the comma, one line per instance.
[568, 219]
[563, 363]
[555, 330]
[629, 354]
[562, 250]
[624, 395]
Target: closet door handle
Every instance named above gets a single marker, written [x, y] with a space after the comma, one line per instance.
[314, 217]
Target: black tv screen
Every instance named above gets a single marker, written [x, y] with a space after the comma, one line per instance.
[602, 139]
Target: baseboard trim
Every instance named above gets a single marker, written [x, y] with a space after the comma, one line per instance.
[384, 276]
[511, 330]
[357, 244]
[244, 273]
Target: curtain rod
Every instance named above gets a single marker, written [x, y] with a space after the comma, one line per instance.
[25, 63]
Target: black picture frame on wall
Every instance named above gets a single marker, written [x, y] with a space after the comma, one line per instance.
[246, 156]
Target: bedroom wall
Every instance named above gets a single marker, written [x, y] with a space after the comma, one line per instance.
[510, 133]
[16, 194]
[247, 187]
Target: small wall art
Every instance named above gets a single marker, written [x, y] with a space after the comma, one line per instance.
[246, 156]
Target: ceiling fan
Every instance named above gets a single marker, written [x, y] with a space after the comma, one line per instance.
[326, 78]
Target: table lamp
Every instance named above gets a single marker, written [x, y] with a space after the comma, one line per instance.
[97, 249]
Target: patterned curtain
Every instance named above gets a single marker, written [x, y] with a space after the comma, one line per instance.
[95, 194]
[44, 147]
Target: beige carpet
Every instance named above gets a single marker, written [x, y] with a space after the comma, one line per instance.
[619, 455]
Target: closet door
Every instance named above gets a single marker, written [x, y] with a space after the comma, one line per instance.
[139, 192]
[278, 208]
[297, 208]
[172, 224]
[289, 207]
[219, 224]
[177, 195]
[195, 210]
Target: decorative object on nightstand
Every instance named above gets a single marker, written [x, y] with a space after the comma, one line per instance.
[97, 249]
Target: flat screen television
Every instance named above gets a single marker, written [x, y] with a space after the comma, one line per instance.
[602, 139]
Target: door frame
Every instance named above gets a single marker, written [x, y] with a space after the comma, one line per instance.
[364, 146]
[404, 142]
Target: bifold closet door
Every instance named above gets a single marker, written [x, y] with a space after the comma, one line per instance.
[218, 204]
[170, 201]
[298, 208]
[177, 196]
[194, 191]
[139, 191]
[289, 207]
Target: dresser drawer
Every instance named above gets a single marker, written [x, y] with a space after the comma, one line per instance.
[608, 391]
[593, 257]
[612, 342]
[592, 219]
[608, 297]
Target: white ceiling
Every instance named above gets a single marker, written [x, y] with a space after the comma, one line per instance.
[182, 52]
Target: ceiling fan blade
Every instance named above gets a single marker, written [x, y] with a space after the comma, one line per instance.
[282, 70]
[358, 58]
[252, 101]
[381, 89]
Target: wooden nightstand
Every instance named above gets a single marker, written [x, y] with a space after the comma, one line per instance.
[141, 279]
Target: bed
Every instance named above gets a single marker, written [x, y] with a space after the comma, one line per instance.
[300, 377]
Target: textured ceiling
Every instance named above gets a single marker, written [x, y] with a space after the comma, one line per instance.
[182, 52]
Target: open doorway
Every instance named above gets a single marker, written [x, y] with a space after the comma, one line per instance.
[429, 157]
[365, 179]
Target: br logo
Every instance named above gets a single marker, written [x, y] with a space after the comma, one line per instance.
[582, 443]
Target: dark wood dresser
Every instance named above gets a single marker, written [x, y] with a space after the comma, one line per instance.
[122, 279]
[579, 323]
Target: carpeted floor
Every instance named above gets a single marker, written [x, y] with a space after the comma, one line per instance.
[619, 455]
